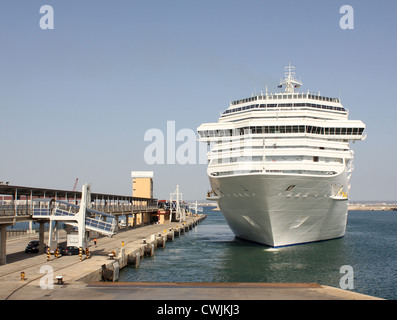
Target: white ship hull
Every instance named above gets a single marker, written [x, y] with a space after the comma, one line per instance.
[260, 209]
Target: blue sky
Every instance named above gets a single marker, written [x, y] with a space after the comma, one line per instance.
[77, 100]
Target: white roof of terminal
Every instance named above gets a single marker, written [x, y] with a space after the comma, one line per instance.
[141, 174]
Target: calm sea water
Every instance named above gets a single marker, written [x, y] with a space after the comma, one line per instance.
[211, 253]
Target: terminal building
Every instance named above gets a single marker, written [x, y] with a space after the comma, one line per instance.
[142, 186]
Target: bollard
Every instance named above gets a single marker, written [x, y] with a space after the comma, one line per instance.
[81, 253]
[23, 276]
[59, 279]
[122, 243]
[48, 254]
[87, 253]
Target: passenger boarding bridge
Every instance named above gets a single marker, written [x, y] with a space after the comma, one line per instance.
[83, 210]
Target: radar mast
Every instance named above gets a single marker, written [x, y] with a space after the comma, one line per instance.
[289, 81]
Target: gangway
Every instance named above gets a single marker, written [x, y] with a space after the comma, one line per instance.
[96, 223]
[41, 208]
[80, 216]
[94, 220]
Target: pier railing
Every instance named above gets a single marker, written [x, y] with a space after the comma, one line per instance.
[19, 233]
[13, 209]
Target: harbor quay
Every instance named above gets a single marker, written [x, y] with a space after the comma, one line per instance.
[93, 272]
[95, 277]
[39, 276]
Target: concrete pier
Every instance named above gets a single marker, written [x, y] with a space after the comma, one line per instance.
[95, 278]
[110, 254]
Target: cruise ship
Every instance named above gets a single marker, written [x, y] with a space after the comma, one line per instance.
[280, 165]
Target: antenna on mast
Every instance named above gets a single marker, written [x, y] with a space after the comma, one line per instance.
[289, 81]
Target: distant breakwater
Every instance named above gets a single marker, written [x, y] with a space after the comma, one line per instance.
[372, 207]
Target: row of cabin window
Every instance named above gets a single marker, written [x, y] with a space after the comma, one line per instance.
[284, 96]
[311, 172]
[283, 129]
[275, 159]
[284, 105]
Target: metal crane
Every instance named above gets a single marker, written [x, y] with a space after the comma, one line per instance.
[75, 184]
